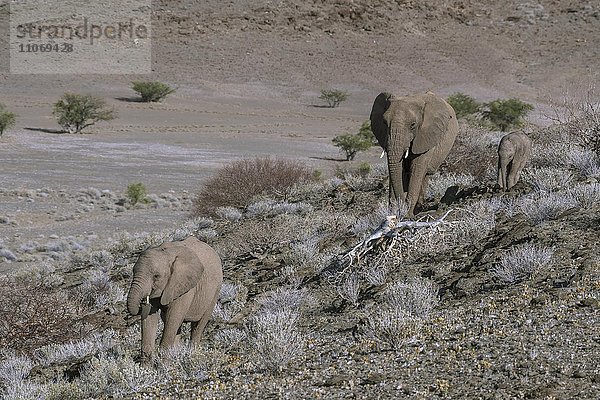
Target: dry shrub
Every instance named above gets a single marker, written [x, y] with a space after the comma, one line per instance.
[236, 184]
[33, 315]
[474, 153]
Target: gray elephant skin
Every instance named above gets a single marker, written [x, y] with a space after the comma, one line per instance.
[514, 151]
[178, 281]
[417, 133]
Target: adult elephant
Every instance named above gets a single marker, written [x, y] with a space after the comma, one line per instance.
[417, 133]
[178, 281]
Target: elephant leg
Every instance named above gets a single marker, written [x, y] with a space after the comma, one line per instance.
[415, 184]
[512, 172]
[172, 329]
[149, 329]
[198, 326]
[423, 189]
[505, 167]
[515, 173]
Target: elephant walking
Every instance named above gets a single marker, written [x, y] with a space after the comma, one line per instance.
[178, 281]
[417, 133]
[514, 151]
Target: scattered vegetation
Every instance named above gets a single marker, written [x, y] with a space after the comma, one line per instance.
[237, 184]
[505, 114]
[333, 97]
[351, 144]
[7, 119]
[463, 104]
[152, 91]
[522, 262]
[366, 132]
[136, 193]
[75, 112]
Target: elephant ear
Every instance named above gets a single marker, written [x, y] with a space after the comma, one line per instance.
[379, 125]
[436, 117]
[186, 271]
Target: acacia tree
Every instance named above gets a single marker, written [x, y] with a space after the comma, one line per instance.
[333, 97]
[352, 144]
[75, 112]
[505, 114]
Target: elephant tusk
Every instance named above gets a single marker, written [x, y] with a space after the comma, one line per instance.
[406, 155]
[382, 154]
[148, 299]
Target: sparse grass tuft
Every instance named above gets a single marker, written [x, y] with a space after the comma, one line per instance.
[587, 195]
[541, 206]
[522, 262]
[405, 306]
[548, 179]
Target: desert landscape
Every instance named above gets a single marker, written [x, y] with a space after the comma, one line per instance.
[441, 311]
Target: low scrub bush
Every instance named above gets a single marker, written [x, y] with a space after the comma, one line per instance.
[474, 153]
[274, 338]
[136, 193]
[351, 144]
[186, 362]
[505, 114]
[33, 315]
[272, 208]
[579, 113]
[7, 119]
[229, 213]
[232, 299]
[522, 262]
[586, 196]
[405, 306]
[237, 184]
[548, 179]
[76, 112]
[333, 97]
[97, 342]
[152, 91]
[116, 376]
[348, 287]
[464, 105]
[542, 206]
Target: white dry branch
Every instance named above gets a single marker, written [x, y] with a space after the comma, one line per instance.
[387, 234]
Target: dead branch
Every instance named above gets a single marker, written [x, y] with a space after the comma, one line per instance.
[388, 232]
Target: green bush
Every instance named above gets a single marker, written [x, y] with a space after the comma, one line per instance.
[505, 114]
[236, 184]
[351, 144]
[366, 133]
[136, 193]
[333, 97]
[75, 112]
[464, 105]
[7, 119]
[152, 91]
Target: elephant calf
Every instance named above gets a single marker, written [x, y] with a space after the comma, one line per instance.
[178, 281]
[513, 152]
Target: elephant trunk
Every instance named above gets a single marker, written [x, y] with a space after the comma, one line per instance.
[397, 151]
[139, 290]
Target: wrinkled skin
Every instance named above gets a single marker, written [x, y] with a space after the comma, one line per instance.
[182, 281]
[514, 151]
[417, 133]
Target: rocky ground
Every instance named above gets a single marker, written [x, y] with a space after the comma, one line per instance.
[248, 76]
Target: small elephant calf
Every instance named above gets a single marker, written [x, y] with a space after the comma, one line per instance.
[178, 281]
[514, 151]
